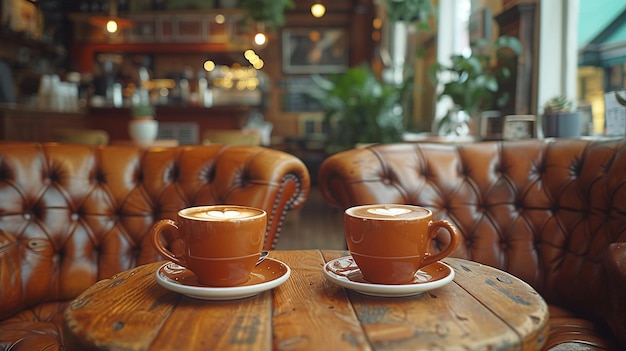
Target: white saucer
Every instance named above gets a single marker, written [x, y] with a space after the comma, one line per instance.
[344, 272]
[267, 275]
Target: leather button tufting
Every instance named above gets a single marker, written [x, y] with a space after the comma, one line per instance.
[37, 244]
[72, 214]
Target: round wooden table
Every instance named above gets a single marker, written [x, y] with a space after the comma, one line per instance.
[482, 308]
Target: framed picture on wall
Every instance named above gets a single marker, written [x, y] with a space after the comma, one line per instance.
[519, 127]
[480, 25]
[311, 124]
[314, 50]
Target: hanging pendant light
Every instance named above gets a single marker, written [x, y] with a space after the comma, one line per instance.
[318, 10]
[260, 37]
[111, 23]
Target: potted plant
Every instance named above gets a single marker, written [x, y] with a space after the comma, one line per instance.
[142, 127]
[475, 79]
[359, 108]
[404, 19]
[560, 119]
[269, 12]
[418, 12]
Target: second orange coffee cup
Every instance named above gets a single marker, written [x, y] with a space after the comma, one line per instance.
[390, 243]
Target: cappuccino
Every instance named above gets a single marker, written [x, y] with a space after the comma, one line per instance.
[220, 244]
[218, 213]
[390, 242]
[388, 211]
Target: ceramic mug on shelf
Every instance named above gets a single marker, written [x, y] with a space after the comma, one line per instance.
[221, 244]
[390, 243]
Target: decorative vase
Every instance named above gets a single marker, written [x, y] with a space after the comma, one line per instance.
[395, 47]
[143, 131]
[562, 124]
[458, 123]
[228, 4]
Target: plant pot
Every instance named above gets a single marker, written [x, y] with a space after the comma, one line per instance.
[228, 4]
[459, 123]
[491, 125]
[396, 50]
[143, 131]
[562, 124]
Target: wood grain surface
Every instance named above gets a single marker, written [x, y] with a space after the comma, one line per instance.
[483, 308]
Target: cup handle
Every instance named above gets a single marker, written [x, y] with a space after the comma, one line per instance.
[157, 243]
[454, 240]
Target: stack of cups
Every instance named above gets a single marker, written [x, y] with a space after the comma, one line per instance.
[57, 95]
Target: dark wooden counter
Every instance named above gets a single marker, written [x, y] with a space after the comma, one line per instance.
[115, 120]
[20, 122]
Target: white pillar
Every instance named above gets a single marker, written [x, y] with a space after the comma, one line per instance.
[570, 77]
[447, 45]
[558, 50]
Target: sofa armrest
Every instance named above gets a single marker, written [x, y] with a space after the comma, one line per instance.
[356, 176]
[287, 181]
[261, 177]
[615, 264]
[11, 288]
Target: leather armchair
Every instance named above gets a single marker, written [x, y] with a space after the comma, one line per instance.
[551, 212]
[71, 215]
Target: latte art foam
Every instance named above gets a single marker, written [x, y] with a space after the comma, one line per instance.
[221, 213]
[389, 212]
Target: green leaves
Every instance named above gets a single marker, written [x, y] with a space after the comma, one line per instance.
[475, 80]
[558, 104]
[142, 111]
[359, 108]
[507, 42]
[270, 12]
[410, 11]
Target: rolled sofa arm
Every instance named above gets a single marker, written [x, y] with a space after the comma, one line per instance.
[357, 176]
[261, 177]
[616, 303]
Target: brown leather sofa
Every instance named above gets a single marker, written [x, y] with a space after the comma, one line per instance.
[71, 215]
[552, 212]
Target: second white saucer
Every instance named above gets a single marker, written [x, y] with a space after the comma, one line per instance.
[344, 272]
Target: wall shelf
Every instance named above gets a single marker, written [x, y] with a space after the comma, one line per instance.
[200, 26]
[161, 32]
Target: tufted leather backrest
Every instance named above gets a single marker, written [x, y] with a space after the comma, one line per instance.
[71, 215]
[543, 210]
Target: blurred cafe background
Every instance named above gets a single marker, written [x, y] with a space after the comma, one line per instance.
[244, 71]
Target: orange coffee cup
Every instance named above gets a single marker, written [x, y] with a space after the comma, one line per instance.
[221, 244]
[390, 243]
